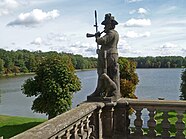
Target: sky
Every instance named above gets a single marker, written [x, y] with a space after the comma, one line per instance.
[146, 27]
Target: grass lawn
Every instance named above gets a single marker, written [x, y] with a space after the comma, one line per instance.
[13, 125]
[172, 119]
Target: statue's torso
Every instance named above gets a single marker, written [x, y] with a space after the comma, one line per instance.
[109, 41]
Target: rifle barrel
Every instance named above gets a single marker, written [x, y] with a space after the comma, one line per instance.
[96, 21]
[88, 35]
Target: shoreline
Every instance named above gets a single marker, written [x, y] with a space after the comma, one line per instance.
[76, 70]
[17, 75]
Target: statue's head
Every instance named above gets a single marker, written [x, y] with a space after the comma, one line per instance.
[109, 22]
[109, 19]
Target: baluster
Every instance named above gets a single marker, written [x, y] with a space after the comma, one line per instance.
[75, 132]
[180, 126]
[100, 124]
[87, 128]
[151, 123]
[138, 122]
[81, 131]
[95, 124]
[165, 125]
[67, 135]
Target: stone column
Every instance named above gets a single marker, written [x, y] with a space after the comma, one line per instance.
[96, 123]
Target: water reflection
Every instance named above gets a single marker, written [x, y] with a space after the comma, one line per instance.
[0, 96]
[1, 92]
[88, 82]
[13, 102]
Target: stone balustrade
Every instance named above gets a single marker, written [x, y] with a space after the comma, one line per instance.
[106, 120]
[74, 124]
[153, 107]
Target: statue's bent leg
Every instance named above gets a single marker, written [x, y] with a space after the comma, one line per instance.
[109, 86]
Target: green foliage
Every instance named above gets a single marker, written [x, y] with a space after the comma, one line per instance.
[160, 62]
[27, 61]
[128, 78]
[1, 66]
[13, 125]
[183, 86]
[53, 86]
[81, 62]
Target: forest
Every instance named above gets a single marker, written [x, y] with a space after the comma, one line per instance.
[25, 61]
[160, 62]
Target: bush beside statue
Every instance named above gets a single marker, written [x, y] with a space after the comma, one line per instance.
[128, 78]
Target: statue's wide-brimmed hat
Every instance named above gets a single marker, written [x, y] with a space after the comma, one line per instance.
[109, 19]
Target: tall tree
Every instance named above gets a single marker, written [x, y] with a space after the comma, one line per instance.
[54, 84]
[183, 86]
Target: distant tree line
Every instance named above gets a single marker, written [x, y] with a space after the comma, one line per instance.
[26, 61]
[160, 62]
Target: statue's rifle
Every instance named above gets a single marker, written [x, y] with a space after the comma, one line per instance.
[88, 35]
[96, 25]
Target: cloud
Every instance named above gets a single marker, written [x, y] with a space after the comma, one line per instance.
[132, 1]
[36, 16]
[8, 6]
[137, 22]
[91, 50]
[78, 47]
[183, 51]
[142, 11]
[126, 50]
[168, 48]
[69, 43]
[132, 11]
[133, 34]
[168, 45]
[37, 41]
[168, 10]
[139, 11]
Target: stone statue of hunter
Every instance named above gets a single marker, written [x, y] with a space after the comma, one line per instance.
[108, 69]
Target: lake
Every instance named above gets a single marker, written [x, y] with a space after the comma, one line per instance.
[154, 83]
